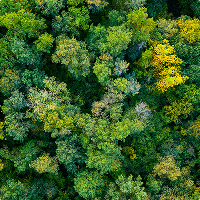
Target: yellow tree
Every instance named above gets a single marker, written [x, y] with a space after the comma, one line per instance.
[190, 29]
[161, 59]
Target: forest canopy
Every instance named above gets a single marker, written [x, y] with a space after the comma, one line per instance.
[100, 99]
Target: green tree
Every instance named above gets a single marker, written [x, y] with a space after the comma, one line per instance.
[44, 42]
[13, 190]
[74, 55]
[89, 184]
[70, 153]
[72, 22]
[50, 7]
[24, 53]
[16, 124]
[126, 188]
[25, 23]
[140, 25]
[117, 40]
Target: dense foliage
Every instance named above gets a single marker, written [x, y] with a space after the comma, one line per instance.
[100, 99]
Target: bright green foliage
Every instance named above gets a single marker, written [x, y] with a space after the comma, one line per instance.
[9, 82]
[50, 7]
[22, 23]
[52, 107]
[44, 42]
[117, 40]
[92, 98]
[16, 125]
[24, 54]
[126, 85]
[89, 184]
[121, 85]
[72, 22]
[107, 158]
[45, 163]
[69, 153]
[23, 155]
[73, 55]
[140, 25]
[102, 71]
[128, 189]
[13, 190]
[7, 59]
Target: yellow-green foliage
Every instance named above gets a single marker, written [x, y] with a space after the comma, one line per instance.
[167, 168]
[178, 108]
[23, 22]
[1, 130]
[167, 27]
[190, 29]
[195, 128]
[130, 151]
[1, 165]
[9, 81]
[140, 25]
[44, 42]
[45, 163]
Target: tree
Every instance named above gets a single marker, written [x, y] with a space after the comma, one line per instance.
[96, 5]
[89, 184]
[102, 70]
[45, 163]
[25, 23]
[24, 53]
[16, 124]
[179, 108]
[7, 57]
[124, 188]
[167, 168]
[33, 78]
[72, 22]
[44, 42]
[9, 82]
[117, 40]
[13, 190]
[164, 64]
[9, 6]
[50, 7]
[190, 29]
[140, 25]
[24, 155]
[73, 55]
[70, 153]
